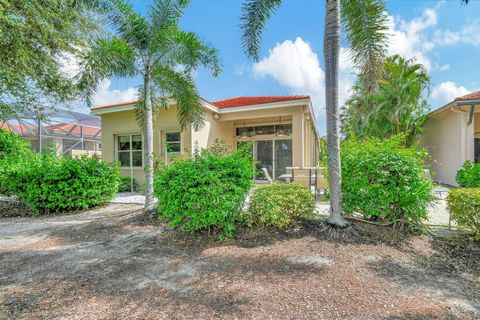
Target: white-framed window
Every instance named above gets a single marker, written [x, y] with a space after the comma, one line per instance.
[130, 150]
[173, 142]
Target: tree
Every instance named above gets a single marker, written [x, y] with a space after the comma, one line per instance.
[397, 107]
[35, 39]
[365, 26]
[156, 49]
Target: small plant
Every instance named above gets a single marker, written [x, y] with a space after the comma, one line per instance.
[469, 175]
[204, 192]
[49, 184]
[464, 205]
[280, 204]
[126, 184]
[384, 180]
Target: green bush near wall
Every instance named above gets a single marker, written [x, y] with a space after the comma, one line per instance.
[464, 205]
[49, 184]
[384, 180]
[281, 205]
[126, 185]
[206, 191]
[469, 175]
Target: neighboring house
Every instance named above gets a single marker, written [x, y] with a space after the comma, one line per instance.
[65, 131]
[452, 136]
[282, 129]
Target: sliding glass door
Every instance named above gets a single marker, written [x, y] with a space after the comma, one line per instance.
[273, 156]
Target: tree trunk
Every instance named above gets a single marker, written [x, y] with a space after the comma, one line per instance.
[331, 49]
[148, 149]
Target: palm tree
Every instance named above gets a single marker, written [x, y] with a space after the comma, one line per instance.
[365, 26]
[154, 48]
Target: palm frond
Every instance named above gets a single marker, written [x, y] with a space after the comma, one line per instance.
[365, 24]
[180, 87]
[192, 52]
[129, 25]
[107, 57]
[255, 14]
[165, 13]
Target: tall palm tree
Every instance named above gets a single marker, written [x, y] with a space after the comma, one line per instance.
[154, 48]
[365, 26]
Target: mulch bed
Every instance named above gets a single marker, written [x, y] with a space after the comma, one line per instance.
[132, 267]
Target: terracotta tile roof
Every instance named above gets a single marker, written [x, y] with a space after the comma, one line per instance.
[471, 96]
[231, 102]
[254, 100]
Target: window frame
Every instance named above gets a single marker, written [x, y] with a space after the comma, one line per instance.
[173, 153]
[130, 150]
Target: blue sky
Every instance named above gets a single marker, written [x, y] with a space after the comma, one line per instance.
[442, 35]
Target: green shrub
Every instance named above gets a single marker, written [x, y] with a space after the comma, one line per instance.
[206, 191]
[12, 145]
[15, 154]
[469, 175]
[49, 184]
[280, 204]
[126, 185]
[383, 180]
[464, 205]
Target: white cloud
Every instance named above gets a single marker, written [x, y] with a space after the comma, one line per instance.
[447, 91]
[409, 39]
[294, 65]
[469, 34]
[444, 67]
[105, 96]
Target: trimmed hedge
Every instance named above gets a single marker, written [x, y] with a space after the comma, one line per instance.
[47, 184]
[469, 175]
[280, 204]
[464, 205]
[384, 180]
[206, 191]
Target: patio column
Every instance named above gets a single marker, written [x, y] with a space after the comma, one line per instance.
[298, 138]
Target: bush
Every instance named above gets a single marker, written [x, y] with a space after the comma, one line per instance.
[206, 191]
[49, 184]
[469, 175]
[383, 180]
[15, 153]
[280, 204]
[12, 145]
[126, 185]
[464, 205]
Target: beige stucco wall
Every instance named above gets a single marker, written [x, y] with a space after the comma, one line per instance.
[223, 128]
[449, 142]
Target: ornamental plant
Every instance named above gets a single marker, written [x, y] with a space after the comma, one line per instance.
[281, 205]
[464, 204]
[48, 184]
[206, 191]
[384, 180]
[469, 175]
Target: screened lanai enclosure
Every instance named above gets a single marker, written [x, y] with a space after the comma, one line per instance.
[67, 132]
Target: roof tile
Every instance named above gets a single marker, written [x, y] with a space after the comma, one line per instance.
[471, 96]
[254, 100]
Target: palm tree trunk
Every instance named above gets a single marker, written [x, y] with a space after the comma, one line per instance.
[148, 151]
[331, 52]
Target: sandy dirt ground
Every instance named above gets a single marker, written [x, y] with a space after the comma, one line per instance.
[112, 263]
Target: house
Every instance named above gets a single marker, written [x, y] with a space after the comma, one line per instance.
[452, 136]
[65, 131]
[281, 128]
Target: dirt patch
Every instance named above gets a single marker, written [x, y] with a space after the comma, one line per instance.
[112, 263]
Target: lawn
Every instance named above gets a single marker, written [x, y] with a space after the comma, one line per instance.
[111, 263]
